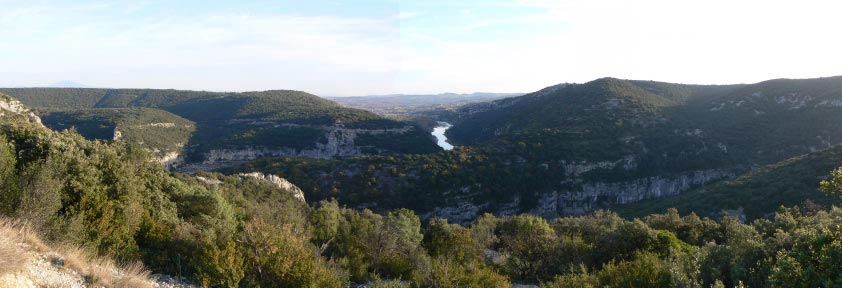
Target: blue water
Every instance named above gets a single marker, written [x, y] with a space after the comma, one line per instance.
[441, 140]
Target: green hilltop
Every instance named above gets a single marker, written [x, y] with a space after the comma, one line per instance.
[283, 105]
[690, 125]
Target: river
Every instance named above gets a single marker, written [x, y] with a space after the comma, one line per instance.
[441, 140]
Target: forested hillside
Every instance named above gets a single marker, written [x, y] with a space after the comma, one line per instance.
[573, 148]
[108, 198]
[244, 231]
[600, 108]
[163, 133]
[755, 194]
[234, 127]
[758, 123]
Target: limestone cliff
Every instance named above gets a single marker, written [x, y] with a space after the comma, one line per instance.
[277, 181]
[577, 193]
[340, 142]
[11, 107]
[590, 195]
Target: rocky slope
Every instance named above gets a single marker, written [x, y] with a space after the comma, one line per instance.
[278, 182]
[12, 108]
[26, 261]
[577, 195]
[755, 194]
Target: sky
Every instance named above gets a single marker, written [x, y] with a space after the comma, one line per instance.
[365, 47]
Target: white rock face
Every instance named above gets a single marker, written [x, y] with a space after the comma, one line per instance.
[229, 155]
[277, 181]
[161, 125]
[171, 160]
[340, 143]
[592, 194]
[583, 197]
[830, 103]
[461, 212]
[792, 101]
[795, 101]
[209, 181]
[578, 168]
[11, 106]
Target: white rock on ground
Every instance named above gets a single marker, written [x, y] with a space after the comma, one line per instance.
[26, 261]
[279, 182]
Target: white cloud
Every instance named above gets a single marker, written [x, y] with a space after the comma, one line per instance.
[680, 41]
[405, 15]
[713, 41]
[215, 52]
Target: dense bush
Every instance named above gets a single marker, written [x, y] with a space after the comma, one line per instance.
[113, 200]
[154, 129]
[228, 231]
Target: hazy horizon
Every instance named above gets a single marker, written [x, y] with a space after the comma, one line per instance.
[355, 48]
[84, 86]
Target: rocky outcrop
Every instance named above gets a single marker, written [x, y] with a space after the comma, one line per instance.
[462, 212]
[277, 181]
[591, 195]
[13, 106]
[209, 181]
[575, 169]
[582, 196]
[171, 160]
[793, 101]
[830, 103]
[340, 142]
[159, 125]
[10, 106]
[221, 157]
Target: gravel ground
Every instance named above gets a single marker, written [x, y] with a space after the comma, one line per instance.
[48, 270]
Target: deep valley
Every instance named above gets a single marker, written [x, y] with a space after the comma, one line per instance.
[618, 154]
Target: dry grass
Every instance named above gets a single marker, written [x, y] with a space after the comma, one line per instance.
[23, 233]
[16, 239]
[133, 275]
[14, 235]
[11, 258]
[70, 257]
[103, 271]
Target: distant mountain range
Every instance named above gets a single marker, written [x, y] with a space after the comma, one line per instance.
[68, 84]
[60, 84]
[397, 105]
